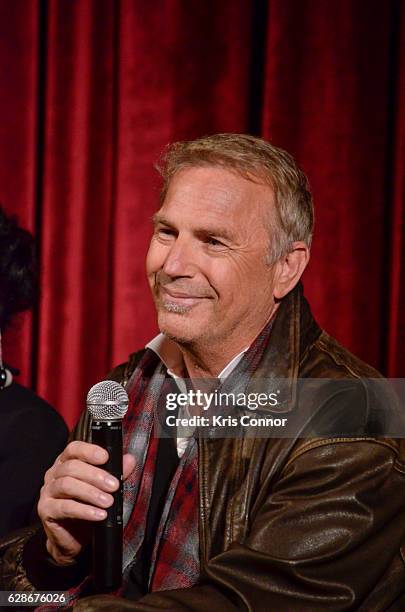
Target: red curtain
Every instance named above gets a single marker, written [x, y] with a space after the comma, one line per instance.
[92, 90]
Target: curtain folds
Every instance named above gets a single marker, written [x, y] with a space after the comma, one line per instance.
[92, 90]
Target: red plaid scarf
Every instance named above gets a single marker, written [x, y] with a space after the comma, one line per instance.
[175, 558]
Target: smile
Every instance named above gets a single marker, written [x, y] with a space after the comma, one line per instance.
[179, 297]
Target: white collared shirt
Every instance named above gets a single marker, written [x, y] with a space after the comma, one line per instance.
[170, 354]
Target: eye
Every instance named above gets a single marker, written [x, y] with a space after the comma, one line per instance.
[214, 243]
[164, 232]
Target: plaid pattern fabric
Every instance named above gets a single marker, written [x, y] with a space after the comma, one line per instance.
[175, 558]
[175, 561]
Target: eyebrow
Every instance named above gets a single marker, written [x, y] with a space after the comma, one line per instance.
[221, 232]
[157, 218]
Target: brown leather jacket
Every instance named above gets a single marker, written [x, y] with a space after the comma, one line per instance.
[288, 524]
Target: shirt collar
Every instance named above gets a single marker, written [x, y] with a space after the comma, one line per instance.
[170, 354]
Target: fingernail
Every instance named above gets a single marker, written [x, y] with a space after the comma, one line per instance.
[111, 482]
[104, 498]
[99, 455]
[98, 513]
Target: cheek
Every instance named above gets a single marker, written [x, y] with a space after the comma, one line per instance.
[154, 258]
[227, 278]
[239, 281]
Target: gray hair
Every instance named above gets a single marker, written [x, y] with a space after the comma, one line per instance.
[259, 161]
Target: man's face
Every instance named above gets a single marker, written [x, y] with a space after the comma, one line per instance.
[206, 263]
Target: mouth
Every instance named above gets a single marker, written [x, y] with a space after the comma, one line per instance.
[180, 298]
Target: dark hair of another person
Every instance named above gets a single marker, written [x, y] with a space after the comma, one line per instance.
[18, 269]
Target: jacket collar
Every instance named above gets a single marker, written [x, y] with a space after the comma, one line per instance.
[294, 329]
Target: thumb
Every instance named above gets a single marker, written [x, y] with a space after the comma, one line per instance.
[128, 464]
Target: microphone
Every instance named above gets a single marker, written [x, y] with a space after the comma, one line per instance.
[107, 403]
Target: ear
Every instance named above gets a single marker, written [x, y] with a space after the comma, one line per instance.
[289, 269]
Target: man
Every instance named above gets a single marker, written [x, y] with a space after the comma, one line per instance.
[312, 521]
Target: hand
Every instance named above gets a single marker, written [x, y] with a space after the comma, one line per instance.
[75, 491]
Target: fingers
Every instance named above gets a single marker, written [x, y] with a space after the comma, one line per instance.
[77, 451]
[66, 498]
[76, 490]
[128, 464]
[90, 453]
[62, 509]
[67, 487]
[77, 469]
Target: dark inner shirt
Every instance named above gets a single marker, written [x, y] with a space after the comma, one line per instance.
[166, 465]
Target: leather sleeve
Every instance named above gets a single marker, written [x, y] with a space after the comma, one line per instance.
[12, 574]
[322, 539]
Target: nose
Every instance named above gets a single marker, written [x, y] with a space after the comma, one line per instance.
[180, 258]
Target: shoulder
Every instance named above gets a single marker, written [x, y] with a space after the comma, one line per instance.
[327, 358]
[352, 402]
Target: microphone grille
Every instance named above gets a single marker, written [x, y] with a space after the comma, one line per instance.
[107, 400]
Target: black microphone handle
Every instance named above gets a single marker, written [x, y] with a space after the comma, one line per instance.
[107, 534]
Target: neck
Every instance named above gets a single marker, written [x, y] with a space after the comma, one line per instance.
[206, 364]
[203, 361]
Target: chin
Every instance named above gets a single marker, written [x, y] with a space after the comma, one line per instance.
[178, 327]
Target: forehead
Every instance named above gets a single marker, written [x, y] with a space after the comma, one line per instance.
[217, 193]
